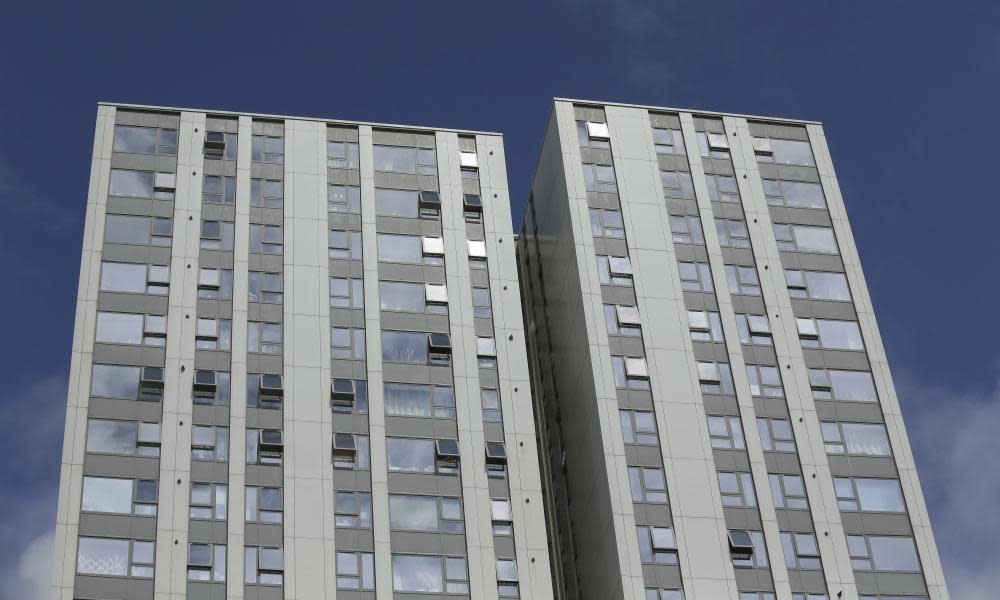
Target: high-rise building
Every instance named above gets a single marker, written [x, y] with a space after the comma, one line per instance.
[716, 414]
[255, 414]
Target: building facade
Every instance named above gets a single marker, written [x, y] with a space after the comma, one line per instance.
[254, 414]
[716, 415]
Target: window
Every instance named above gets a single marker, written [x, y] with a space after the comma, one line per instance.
[747, 548]
[668, 141]
[429, 574]
[123, 437]
[133, 278]
[264, 338]
[686, 229]
[776, 435]
[801, 551]
[347, 343]
[599, 178]
[695, 276]
[473, 205]
[869, 495]
[145, 140]
[677, 185]
[265, 287]
[722, 188]
[120, 496]
[138, 231]
[507, 578]
[659, 594]
[355, 570]
[419, 400]
[486, 350]
[130, 328]
[830, 335]
[733, 233]
[481, 304]
[396, 159]
[353, 509]
[817, 285]
[267, 193]
[804, 596]
[410, 249]
[845, 386]
[115, 557]
[118, 381]
[503, 520]
[606, 222]
[347, 293]
[343, 199]
[490, 399]
[219, 189]
[264, 446]
[715, 378]
[206, 562]
[265, 566]
[657, 545]
[208, 500]
[712, 145]
[726, 432]
[413, 297]
[648, 484]
[220, 145]
[614, 270]
[142, 184]
[351, 451]
[401, 203]
[638, 427]
[600, 139]
[405, 347]
[214, 334]
[788, 491]
[217, 235]
[215, 284]
[411, 455]
[705, 326]
[754, 329]
[349, 396]
[264, 390]
[209, 443]
[210, 387]
[426, 513]
[264, 505]
[783, 152]
[805, 238]
[769, 596]
[882, 553]
[342, 155]
[765, 381]
[737, 490]
[742, 280]
[856, 439]
[266, 239]
[796, 194]
[267, 149]
[630, 373]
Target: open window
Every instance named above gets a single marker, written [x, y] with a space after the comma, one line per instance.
[496, 459]
[343, 394]
[598, 131]
[215, 144]
[439, 349]
[345, 450]
[151, 383]
[448, 455]
[740, 544]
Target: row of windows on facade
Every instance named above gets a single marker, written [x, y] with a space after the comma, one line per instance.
[596, 135]
[271, 149]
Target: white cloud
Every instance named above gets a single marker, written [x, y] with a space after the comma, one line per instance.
[955, 437]
[30, 578]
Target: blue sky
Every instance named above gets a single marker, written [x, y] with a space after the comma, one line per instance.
[907, 91]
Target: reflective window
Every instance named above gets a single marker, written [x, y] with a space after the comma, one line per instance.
[787, 152]
[145, 140]
[797, 194]
[490, 398]
[408, 297]
[599, 178]
[845, 386]
[115, 557]
[115, 381]
[265, 287]
[668, 141]
[677, 185]
[722, 188]
[139, 184]
[583, 135]
[429, 574]
[343, 199]
[481, 303]
[757, 558]
[737, 489]
[206, 562]
[776, 434]
[229, 143]
[715, 377]
[686, 229]
[267, 149]
[217, 235]
[353, 509]
[742, 280]
[263, 504]
[397, 203]
[638, 427]
[408, 249]
[411, 455]
[215, 284]
[355, 570]
[342, 155]
[135, 278]
[209, 500]
[219, 189]
[266, 239]
[264, 338]
[801, 550]
[123, 437]
[405, 347]
[805, 238]
[658, 594]
[357, 454]
[214, 334]
[788, 491]
[606, 222]
[129, 328]
[625, 380]
[501, 514]
[765, 381]
[754, 329]
[726, 432]
[347, 343]
[695, 276]
[347, 293]
[869, 495]
[122, 496]
[705, 326]
[648, 484]
[829, 334]
[139, 231]
[398, 159]
[732, 233]
[426, 513]
[712, 145]
[264, 566]
[858, 439]
[267, 193]
[883, 553]
[419, 400]
[614, 270]
[657, 545]
[210, 443]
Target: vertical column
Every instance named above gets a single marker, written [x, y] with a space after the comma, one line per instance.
[795, 377]
[465, 370]
[373, 344]
[236, 519]
[78, 393]
[175, 430]
[695, 503]
[748, 418]
[531, 545]
[919, 518]
[622, 525]
[307, 463]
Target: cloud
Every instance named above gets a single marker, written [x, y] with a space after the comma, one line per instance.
[31, 577]
[954, 434]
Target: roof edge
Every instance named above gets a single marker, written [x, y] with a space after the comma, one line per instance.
[689, 110]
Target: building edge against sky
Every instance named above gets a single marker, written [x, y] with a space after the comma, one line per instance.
[740, 436]
[213, 451]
